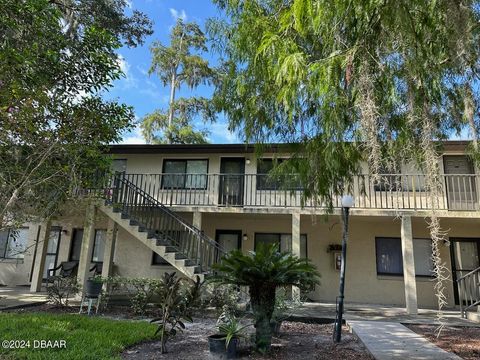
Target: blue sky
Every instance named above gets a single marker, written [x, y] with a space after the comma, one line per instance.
[145, 93]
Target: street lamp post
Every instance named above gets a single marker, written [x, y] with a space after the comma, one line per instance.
[347, 203]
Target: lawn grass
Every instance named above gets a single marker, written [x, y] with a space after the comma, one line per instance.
[86, 337]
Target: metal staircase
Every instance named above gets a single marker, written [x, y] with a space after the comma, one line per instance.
[469, 291]
[183, 245]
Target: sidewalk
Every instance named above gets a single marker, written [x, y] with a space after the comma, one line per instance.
[388, 340]
[367, 312]
[18, 296]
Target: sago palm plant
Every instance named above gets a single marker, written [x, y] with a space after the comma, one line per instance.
[263, 271]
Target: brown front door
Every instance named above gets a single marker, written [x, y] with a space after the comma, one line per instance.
[460, 183]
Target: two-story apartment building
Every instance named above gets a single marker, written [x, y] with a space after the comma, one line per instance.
[177, 207]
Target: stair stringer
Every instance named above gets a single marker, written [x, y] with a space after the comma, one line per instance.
[142, 236]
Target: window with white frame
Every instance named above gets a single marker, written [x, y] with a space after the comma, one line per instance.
[185, 174]
[13, 243]
[390, 260]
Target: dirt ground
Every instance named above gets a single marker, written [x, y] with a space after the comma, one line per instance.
[296, 341]
[462, 341]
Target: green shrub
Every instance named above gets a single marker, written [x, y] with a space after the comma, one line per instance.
[224, 298]
[140, 291]
[60, 289]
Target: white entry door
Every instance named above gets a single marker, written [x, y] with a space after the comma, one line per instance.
[229, 239]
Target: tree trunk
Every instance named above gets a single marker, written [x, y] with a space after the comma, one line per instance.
[263, 305]
[173, 85]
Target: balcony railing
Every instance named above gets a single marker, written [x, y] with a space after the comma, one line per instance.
[391, 191]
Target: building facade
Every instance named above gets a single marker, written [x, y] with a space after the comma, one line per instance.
[176, 207]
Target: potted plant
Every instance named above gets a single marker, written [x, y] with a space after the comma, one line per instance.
[230, 331]
[93, 287]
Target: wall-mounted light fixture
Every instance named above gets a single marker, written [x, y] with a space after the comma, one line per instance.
[247, 161]
[245, 237]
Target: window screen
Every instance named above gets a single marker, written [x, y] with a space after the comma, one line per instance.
[422, 252]
[389, 256]
[185, 174]
[390, 259]
[284, 240]
[16, 243]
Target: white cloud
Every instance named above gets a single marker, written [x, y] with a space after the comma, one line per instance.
[133, 137]
[129, 4]
[142, 70]
[178, 14]
[129, 81]
[124, 65]
[220, 134]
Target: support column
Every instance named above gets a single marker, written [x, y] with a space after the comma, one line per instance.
[197, 219]
[409, 266]
[296, 248]
[109, 248]
[37, 277]
[197, 222]
[87, 245]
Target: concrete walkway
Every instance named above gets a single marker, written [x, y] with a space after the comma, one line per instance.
[388, 340]
[367, 312]
[19, 296]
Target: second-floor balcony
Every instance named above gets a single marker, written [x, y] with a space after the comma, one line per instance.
[391, 191]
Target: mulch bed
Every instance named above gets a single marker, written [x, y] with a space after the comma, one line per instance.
[462, 341]
[295, 341]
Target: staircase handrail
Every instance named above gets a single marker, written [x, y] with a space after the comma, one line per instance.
[469, 274]
[157, 203]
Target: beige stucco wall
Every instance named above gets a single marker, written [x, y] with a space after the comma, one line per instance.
[363, 285]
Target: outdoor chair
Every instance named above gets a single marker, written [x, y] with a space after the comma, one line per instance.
[97, 269]
[67, 268]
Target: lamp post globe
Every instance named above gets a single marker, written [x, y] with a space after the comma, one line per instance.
[347, 201]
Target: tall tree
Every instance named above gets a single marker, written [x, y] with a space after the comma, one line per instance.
[177, 65]
[56, 57]
[379, 80]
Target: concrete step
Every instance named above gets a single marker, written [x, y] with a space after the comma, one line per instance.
[160, 245]
[473, 316]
